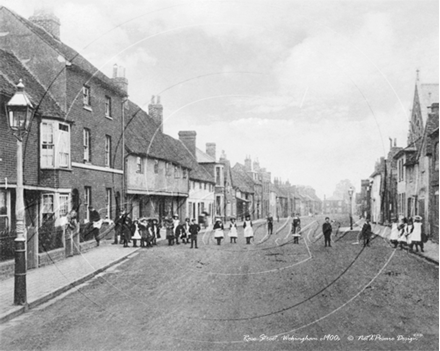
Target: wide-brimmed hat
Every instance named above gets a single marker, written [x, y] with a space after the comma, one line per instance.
[418, 218]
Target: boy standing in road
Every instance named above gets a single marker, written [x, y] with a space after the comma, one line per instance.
[327, 231]
[366, 232]
[269, 224]
[194, 229]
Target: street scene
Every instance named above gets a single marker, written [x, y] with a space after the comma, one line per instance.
[219, 175]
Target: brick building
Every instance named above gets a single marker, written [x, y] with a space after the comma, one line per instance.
[71, 156]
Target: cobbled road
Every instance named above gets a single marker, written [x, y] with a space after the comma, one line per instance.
[270, 295]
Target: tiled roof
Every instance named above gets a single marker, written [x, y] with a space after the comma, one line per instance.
[11, 71]
[143, 137]
[240, 179]
[203, 157]
[68, 53]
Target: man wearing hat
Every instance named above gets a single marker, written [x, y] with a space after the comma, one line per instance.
[366, 232]
[194, 229]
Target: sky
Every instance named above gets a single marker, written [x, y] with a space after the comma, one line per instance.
[313, 90]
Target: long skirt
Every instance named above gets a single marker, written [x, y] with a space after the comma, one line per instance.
[218, 233]
[248, 232]
[233, 232]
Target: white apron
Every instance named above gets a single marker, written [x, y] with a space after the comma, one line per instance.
[218, 233]
[233, 231]
[417, 232]
[248, 231]
[394, 236]
[136, 235]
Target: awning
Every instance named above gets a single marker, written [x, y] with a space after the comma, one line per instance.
[241, 199]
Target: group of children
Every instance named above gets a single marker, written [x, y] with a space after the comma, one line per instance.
[145, 230]
[407, 231]
[187, 231]
[219, 230]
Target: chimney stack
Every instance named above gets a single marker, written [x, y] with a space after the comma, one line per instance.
[119, 78]
[210, 150]
[46, 19]
[155, 111]
[188, 138]
[248, 163]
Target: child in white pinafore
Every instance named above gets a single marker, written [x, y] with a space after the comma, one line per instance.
[248, 231]
[233, 231]
[394, 236]
[416, 236]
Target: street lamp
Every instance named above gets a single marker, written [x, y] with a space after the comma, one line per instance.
[20, 111]
[350, 194]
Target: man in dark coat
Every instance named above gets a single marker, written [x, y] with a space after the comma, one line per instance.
[118, 226]
[95, 219]
[327, 231]
[194, 229]
[366, 232]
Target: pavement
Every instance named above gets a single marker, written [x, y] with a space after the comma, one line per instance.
[48, 282]
[430, 248]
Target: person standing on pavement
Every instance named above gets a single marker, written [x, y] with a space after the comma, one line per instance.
[416, 236]
[366, 232]
[169, 226]
[409, 228]
[233, 231]
[176, 229]
[394, 236]
[71, 230]
[248, 231]
[194, 229]
[96, 220]
[119, 222]
[402, 233]
[327, 231]
[156, 231]
[218, 230]
[269, 224]
[186, 234]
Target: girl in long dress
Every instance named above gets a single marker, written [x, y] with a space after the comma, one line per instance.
[409, 229]
[394, 236]
[218, 230]
[248, 231]
[233, 231]
[416, 236]
[176, 228]
[136, 236]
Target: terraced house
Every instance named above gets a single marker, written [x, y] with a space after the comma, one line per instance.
[72, 157]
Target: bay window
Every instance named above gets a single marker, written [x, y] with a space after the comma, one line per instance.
[54, 145]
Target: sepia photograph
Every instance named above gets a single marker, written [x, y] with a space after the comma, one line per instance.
[231, 175]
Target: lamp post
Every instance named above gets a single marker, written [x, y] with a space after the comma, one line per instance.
[350, 194]
[20, 111]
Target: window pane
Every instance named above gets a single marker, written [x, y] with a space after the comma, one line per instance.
[3, 203]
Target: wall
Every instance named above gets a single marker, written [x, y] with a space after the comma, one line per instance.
[148, 181]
